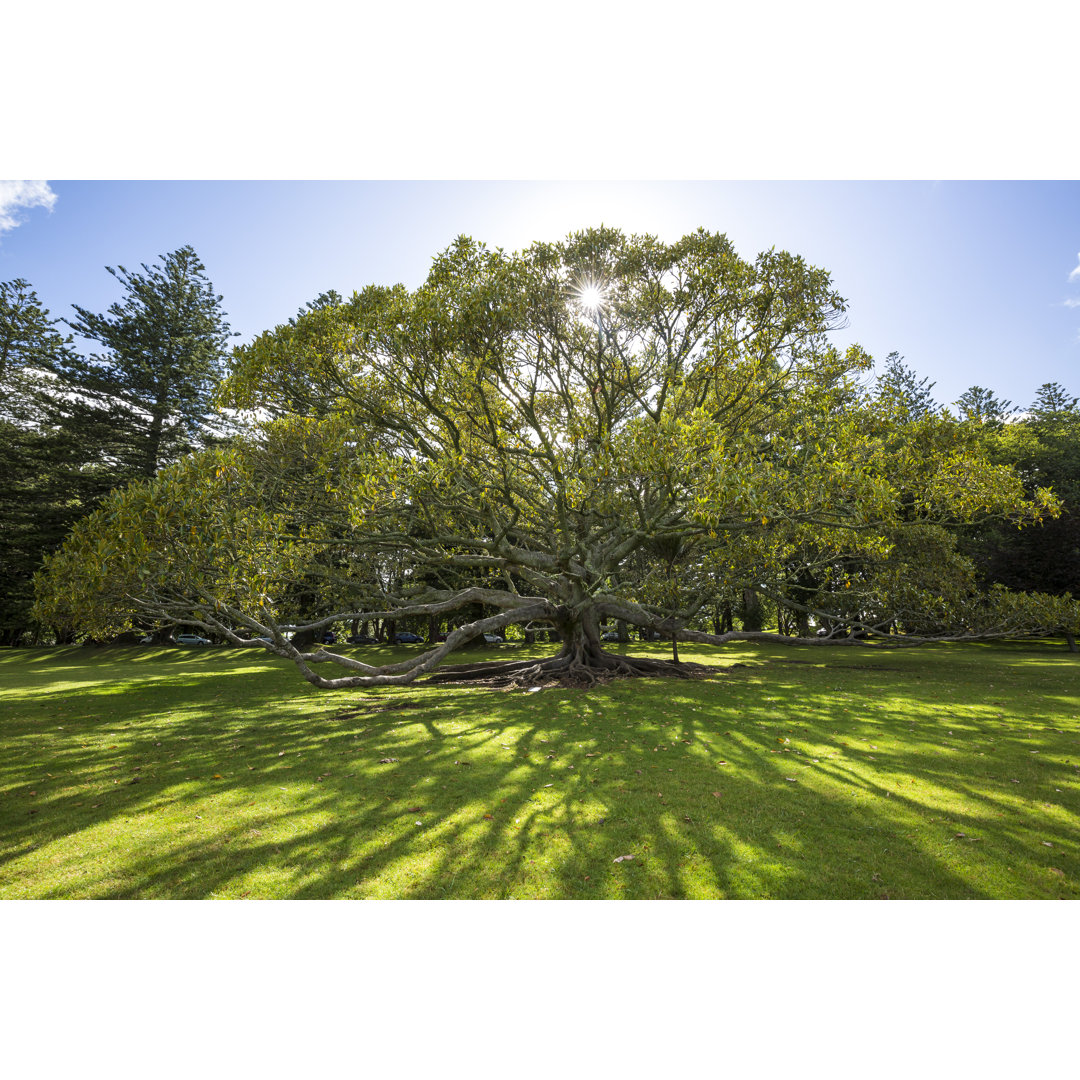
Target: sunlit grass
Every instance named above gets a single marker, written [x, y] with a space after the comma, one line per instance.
[795, 773]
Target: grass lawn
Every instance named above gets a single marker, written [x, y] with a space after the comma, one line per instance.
[943, 772]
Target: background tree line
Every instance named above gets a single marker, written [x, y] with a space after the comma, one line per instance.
[74, 427]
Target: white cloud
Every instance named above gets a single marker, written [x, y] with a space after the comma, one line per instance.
[16, 195]
[1074, 302]
[1075, 273]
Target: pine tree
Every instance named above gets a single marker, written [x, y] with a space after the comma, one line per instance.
[165, 345]
[897, 385]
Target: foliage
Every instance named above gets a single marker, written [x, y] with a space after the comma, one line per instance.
[72, 429]
[30, 346]
[898, 387]
[165, 348]
[1044, 449]
[54, 449]
[488, 438]
[982, 405]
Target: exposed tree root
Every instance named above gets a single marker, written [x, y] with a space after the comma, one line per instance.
[576, 668]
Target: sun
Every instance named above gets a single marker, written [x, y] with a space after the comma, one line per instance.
[591, 295]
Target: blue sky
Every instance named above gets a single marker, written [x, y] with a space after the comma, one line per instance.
[970, 281]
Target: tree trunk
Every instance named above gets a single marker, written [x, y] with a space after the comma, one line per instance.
[753, 615]
[152, 453]
[582, 660]
[1071, 640]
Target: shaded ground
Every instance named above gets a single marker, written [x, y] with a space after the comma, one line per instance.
[940, 772]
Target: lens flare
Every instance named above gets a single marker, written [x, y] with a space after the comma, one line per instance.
[590, 295]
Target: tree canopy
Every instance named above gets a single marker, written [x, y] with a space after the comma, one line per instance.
[606, 427]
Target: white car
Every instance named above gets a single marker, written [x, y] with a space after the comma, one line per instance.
[191, 639]
[492, 639]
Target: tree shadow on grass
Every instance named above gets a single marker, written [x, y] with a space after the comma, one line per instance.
[711, 786]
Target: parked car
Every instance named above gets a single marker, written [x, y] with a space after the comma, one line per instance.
[406, 638]
[839, 630]
[611, 635]
[650, 635]
[361, 639]
[148, 640]
[492, 639]
[191, 639]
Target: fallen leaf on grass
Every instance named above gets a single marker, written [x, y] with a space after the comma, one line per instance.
[413, 809]
[281, 753]
[488, 817]
[391, 760]
[717, 795]
[218, 776]
[622, 858]
[791, 779]
[1047, 843]
[1055, 870]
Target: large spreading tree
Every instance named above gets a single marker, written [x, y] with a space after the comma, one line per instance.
[610, 427]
